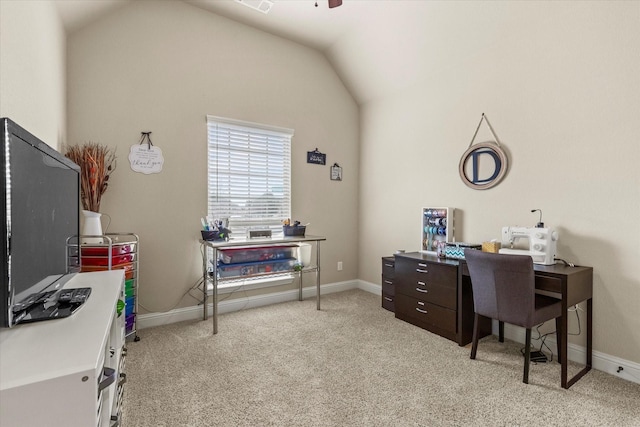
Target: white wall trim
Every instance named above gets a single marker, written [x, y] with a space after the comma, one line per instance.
[576, 353]
[195, 312]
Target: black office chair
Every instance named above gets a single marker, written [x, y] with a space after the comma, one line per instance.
[504, 289]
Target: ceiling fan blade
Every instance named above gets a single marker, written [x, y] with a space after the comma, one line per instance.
[334, 3]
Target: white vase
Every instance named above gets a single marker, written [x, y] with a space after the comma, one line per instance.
[91, 226]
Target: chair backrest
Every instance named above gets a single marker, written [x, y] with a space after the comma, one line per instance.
[503, 286]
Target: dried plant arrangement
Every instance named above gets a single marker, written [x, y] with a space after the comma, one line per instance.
[96, 162]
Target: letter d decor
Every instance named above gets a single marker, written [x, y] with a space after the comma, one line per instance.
[483, 165]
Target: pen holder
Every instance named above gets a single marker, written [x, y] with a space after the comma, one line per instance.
[218, 235]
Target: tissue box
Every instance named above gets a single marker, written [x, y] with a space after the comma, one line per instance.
[456, 250]
[493, 247]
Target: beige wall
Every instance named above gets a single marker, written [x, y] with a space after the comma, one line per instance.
[565, 100]
[561, 90]
[162, 67]
[32, 68]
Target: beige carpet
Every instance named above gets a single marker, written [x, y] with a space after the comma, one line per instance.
[350, 364]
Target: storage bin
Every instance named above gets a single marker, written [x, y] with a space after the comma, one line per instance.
[129, 289]
[104, 260]
[294, 230]
[128, 269]
[130, 321]
[129, 306]
[215, 236]
[249, 269]
[116, 249]
[304, 254]
[456, 250]
[243, 255]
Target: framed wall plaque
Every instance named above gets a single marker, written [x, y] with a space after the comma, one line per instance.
[336, 172]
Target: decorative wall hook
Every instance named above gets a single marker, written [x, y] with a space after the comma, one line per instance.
[146, 136]
[490, 128]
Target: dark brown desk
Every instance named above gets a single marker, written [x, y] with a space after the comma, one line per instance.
[572, 285]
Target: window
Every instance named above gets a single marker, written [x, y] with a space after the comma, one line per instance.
[249, 174]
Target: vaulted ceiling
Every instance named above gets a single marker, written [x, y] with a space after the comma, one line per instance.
[377, 47]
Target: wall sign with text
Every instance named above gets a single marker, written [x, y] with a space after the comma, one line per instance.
[145, 157]
[316, 157]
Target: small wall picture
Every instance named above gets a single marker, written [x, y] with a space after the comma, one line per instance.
[316, 157]
[336, 172]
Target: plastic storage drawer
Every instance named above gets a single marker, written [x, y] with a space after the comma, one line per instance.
[249, 269]
[268, 253]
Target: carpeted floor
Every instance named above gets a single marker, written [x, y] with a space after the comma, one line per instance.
[350, 364]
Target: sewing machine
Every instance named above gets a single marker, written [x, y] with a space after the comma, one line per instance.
[542, 243]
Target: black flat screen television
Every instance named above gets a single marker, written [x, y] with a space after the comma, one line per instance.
[41, 190]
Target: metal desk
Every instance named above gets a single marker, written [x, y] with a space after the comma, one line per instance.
[252, 243]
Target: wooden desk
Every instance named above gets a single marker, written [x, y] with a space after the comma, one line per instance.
[572, 285]
[252, 243]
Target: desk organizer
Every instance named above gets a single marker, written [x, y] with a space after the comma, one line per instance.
[217, 235]
[456, 250]
[294, 230]
[438, 225]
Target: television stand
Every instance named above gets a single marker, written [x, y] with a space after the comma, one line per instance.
[68, 372]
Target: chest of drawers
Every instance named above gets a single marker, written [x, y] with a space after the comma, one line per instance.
[431, 293]
[388, 286]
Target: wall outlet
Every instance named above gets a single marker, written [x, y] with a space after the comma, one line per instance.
[339, 265]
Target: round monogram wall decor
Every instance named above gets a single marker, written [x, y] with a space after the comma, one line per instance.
[483, 165]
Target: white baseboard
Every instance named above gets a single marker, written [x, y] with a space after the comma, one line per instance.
[601, 361]
[576, 353]
[196, 312]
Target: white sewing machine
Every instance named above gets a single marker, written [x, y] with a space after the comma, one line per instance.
[542, 243]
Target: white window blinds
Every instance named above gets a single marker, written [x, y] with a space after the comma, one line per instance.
[249, 174]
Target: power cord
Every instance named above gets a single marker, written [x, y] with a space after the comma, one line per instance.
[543, 337]
[566, 263]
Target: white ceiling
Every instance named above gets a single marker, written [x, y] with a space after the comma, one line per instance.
[376, 46]
[299, 20]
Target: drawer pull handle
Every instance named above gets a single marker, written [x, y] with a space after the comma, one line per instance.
[388, 265]
[420, 270]
[421, 303]
[421, 264]
[424, 291]
[421, 310]
[388, 282]
[388, 299]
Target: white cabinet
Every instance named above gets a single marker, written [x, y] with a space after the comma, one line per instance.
[67, 371]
